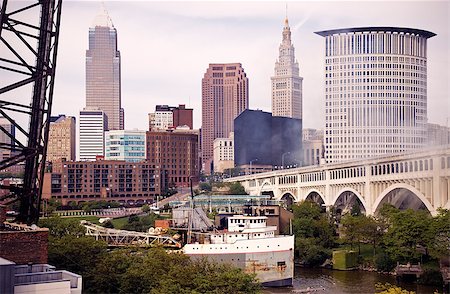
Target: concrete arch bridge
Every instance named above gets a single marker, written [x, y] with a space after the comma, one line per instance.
[419, 180]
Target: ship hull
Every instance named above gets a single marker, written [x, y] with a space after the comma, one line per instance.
[273, 268]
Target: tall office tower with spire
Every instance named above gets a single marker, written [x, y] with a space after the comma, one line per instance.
[103, 90]
[287, 83]
[375, 91]
[224, 97]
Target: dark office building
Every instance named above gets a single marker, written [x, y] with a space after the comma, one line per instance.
[286, 141]
[267, 140]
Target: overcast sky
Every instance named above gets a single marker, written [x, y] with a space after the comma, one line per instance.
[167, 46]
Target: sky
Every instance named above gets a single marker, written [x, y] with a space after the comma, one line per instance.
[166, 48]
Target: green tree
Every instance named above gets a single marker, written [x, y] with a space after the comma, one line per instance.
[140, 223]
[237, 189]
[145, 208]
[440, 230]
[70, 249]
[314, 233]
[352, 229]
[59, 227]
[155, 271]
[205, 186]
[407, 230]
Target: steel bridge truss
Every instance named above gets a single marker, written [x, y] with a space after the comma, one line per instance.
[28, 46]
[127, 238]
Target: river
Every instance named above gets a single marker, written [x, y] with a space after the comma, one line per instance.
[337, 282]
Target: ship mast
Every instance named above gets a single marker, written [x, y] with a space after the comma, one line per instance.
[191, 214]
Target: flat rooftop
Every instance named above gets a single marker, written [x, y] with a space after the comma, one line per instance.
[426, 34]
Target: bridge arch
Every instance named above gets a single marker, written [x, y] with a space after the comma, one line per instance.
[314, 195]
[359, 198]
[290, 199]
[379, 201]
[267, 189]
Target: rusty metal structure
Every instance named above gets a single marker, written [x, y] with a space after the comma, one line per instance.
[29, 34]
[117, 238]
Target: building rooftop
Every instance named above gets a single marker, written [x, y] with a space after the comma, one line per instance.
[102, 19]
[411, 31]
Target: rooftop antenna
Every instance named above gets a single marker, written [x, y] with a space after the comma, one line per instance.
[286, 10]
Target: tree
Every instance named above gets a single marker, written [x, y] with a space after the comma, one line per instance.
[59, 227]
[155, 271]
[205, 186]
[237, 189]
[145, 208]
[353, 229]
[314, 233]
[70, 249]
[407, 230]
[440, 229]
[142, 223]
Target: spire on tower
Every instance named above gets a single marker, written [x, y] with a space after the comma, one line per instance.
[102, 19]
[286, 22]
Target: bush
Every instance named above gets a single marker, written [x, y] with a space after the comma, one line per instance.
[431, 277]
[384, 263]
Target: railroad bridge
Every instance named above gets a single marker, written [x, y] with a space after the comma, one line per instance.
[418, 180]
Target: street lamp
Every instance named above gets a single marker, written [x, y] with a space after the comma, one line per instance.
[282, 158]
[251, 171]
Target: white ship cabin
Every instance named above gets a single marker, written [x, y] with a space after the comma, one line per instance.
[242, 227]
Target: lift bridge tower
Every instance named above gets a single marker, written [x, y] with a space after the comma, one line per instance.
[29, 33]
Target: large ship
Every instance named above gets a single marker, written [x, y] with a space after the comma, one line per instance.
[249, 243]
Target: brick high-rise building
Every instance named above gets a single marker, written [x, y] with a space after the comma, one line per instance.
[287, 83]
[110, 180]
[182, 116]
[176, 154]
[61, 138]
[103, 86]
[224, 97]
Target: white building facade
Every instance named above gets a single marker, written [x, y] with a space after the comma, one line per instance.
[375, 91]
[93, 124]
[287, 83]
[125, 145]
[160, 120]
[223, 153]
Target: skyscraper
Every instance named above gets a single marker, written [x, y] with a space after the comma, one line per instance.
[5, 139]
[61, 138]
[224, 97]
[375, 91]
[103, 90]
[93, 124]
[286, 83]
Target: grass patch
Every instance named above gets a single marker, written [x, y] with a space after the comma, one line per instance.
[120, 222]
[92, 219]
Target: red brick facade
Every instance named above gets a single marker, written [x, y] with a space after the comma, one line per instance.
[182, 116]
[176, 152]
[23, 247]
[109, 180]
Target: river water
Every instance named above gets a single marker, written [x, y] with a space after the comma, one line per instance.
[321, 280]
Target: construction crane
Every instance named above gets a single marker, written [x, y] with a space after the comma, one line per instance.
[28, 50]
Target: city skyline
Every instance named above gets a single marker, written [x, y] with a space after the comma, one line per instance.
[175, 41]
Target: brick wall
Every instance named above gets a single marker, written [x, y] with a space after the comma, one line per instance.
[23, 247]
[2, 214]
